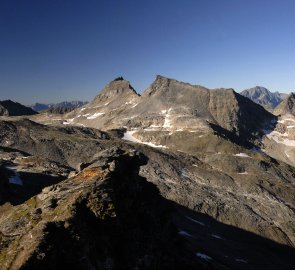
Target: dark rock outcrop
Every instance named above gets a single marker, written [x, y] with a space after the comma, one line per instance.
[10, 108]
[106, 217]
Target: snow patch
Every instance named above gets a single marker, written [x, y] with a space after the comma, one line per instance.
[280, 138]
[287, 119]
[196, 221]
[128, 136]
[167, 120]
[203, 256]
[167, 123]
[217, 236]
[69, 121]
[243, 173]
[184, 233]
[242, 155]
[95, 115]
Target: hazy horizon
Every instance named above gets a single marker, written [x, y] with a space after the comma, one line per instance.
[54, 51]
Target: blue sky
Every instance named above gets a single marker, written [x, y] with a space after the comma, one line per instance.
[54, 50]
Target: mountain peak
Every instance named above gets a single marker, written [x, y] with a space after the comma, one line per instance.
[117, 87]
[263, 97]
[119, 79]
[163, 85]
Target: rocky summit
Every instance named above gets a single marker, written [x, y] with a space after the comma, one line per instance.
[264, 97]
[180, 177]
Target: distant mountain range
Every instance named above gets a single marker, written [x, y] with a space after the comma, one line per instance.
[262, 96]
[11, 108]
[61, 107]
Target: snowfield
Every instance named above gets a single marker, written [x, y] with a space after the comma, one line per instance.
[128, 136]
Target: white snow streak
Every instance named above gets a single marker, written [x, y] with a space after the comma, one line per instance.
[242, 155]
[95, 115]
[217, 236]
[280, 138]
[203, 256]
[184, 233]
[196, 221]
[167, 120]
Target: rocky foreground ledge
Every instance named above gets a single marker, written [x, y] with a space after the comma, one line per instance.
[105, 217]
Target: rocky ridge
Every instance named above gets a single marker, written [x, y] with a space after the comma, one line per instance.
[99, 227]
[167, 110]
[10, 108]
[287, 106]
[58, 108]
